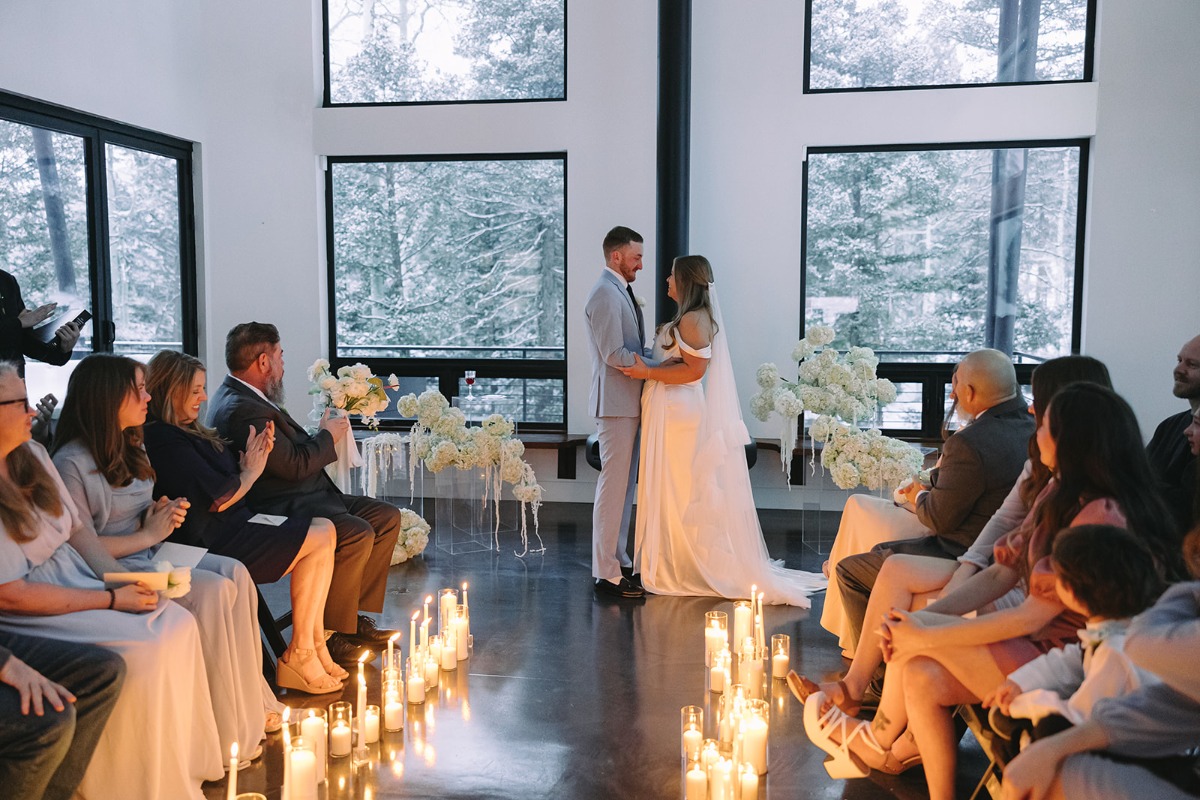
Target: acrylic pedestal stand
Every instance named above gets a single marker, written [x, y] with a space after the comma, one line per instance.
[464, 522]
[385, 473]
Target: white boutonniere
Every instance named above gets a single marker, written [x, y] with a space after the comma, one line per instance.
[641, 301]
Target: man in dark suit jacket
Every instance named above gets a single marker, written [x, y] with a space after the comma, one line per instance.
[1169, 453]
[977, 469]
[294, 482]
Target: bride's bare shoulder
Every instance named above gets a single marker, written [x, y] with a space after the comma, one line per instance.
[696, 328]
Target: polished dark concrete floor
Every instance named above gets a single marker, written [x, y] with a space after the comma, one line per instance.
[569, 696]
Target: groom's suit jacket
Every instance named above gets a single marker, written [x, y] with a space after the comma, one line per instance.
[294, 480]
[613, 339]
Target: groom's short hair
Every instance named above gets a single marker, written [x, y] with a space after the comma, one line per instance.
[618, 237]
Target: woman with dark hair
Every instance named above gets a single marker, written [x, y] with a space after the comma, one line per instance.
[1089, 440]
[904, 579]
[697, 527]
[98, 452]
[193, 461]
[161, 739]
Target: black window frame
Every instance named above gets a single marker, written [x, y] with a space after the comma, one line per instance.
[97, 132]
[1089, 62]
[935, 376]
[449, 371]
[327, 79]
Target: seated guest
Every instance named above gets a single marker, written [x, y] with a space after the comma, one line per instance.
[54, 704]
[1192, 475]
[1174, 463]
[1107, 575]
[161, 738]
[192, 461]
[904, 578]
[979, 465]
[1090, 441]
[1138, 728]
[101, 461]
[294, 482]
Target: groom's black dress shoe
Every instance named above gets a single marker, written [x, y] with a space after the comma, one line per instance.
[634, 577]
[626, 589]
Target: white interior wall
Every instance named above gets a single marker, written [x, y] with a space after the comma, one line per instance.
[242, 81]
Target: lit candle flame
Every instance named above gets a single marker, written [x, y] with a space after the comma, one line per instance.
[233, 751]
[363, 658]
[394, 637]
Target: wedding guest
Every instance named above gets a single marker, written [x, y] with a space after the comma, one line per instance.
[1090, 441]
[17, 337]
[294, 483]
[99, 455]
[1107, 575]
[978, 466]
[54, 703]
[1138, 728]
[192, 461]
[1173, 461]
[161, 738]
[905, 578]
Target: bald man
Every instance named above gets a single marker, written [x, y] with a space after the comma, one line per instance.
[1169, 453]
[977, 469]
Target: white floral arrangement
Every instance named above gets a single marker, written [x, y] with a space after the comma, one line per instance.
[179, 579]
[440, 438]
[839, 390]
[414, 536]
[354, 389]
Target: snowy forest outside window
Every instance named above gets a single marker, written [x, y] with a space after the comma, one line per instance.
[94, 217]
[927, 253]
[444, 51]
[445, 265]
[862, 44]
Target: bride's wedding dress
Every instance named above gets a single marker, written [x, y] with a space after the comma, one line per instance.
[697, 529]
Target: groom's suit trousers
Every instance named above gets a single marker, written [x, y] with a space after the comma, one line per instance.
[614, 494]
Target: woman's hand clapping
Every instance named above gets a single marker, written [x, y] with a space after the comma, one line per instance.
[136, 598]
[165, 516]
[258, 447]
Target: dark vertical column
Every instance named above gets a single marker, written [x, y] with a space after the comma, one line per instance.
[674, 142]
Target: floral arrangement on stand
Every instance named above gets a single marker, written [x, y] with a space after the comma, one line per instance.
[414, 536]
[440, 438]
[840, 390]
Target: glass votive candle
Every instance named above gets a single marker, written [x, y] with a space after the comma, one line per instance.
[750, 673]
[302, 769]
[718, 673]
[710, 753]
[743, 622]
[341, 716]
[695, 781]
[749, 782]
[393, 705]
[462, 625]
[755, 728]
[416, 679]
[781, 648]
[716, 635]
[691, 725]
[447, 603]
[372, 726]
[449, 654]
[313, 728]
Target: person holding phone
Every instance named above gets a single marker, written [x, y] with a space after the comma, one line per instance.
[18, 340]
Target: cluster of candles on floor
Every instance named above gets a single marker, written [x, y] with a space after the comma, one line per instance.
[316, 735]
[730, 764]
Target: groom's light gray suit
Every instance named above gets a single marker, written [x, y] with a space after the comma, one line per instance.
[613, 322]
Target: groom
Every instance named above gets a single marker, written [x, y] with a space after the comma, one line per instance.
[616, 331]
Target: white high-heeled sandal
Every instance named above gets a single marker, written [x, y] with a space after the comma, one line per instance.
[842, 763]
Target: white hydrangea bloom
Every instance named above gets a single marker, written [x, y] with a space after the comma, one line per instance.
[767, 376]
[820, 335]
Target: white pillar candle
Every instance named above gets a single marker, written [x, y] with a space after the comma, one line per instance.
[697, 784]
[716, 678]
[425, 633]
[691, 743]
[447, 603]
[462, 627]
[450, 652]
[339, 739]
[435, 649]
[304, 775]
[393, 712]
[722, 788]
[360, 710]
[756, 744]
[742, 619]
[416, 689]
[779, 665]
[231, 791]
[749, 784]
[714, 641]
[372, 724]
[431, 674]
[312, 728]
[412, 632]
[709, 756]
[753, 679]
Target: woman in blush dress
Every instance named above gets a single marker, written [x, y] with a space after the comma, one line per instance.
[161, 740]
[697, 528]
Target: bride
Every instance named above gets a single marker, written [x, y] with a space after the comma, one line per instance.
[697, 529]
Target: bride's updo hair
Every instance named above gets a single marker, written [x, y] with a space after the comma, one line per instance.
[693, 274]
